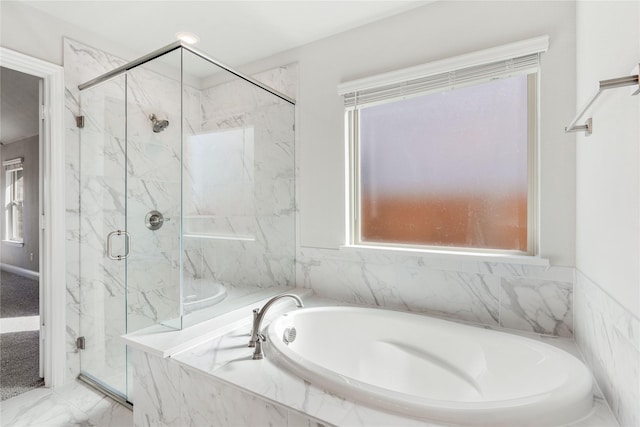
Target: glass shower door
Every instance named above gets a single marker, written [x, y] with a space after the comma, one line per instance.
[103, 240]
[130, 181]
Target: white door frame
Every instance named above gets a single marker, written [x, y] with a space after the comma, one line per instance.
[53, 227]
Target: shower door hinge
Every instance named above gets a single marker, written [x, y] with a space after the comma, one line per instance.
[80, 121]
[80, 344]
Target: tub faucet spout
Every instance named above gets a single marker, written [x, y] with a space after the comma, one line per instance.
[258, 315]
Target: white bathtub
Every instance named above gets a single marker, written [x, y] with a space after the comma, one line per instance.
[431, 368]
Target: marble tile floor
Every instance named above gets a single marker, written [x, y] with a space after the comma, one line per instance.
[75, 404]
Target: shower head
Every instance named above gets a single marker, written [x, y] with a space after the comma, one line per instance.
[158, 125]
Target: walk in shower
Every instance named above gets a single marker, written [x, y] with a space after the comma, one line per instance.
[187, 207]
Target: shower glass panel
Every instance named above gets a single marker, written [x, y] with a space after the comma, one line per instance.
[238, 191]
[187, 201]
[153, 185]
[103, 298]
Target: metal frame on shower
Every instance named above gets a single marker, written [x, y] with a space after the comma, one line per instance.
[169, 48]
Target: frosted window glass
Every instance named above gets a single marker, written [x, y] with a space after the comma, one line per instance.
[447, 169]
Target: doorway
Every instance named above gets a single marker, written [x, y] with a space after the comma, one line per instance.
[50, 213]
[20, 146]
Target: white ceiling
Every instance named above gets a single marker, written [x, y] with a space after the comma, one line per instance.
[234, 32]
[19, 96]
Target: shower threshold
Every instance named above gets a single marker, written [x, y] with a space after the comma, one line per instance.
[106, 390]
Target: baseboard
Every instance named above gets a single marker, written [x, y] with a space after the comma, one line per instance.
[29, 274]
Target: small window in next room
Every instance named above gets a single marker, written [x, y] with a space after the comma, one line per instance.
[446, 160]
[14, 197]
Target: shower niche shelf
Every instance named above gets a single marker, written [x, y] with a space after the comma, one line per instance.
[214, 236]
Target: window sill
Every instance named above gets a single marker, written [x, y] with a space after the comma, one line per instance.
[456, 255]
[13, 243]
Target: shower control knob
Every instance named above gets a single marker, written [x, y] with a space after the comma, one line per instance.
[154, 220]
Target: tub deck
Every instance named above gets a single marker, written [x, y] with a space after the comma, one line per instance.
[224, 362]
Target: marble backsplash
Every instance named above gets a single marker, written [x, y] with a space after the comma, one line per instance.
[516, 296]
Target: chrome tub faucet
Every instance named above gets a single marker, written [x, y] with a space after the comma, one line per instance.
[258, 314]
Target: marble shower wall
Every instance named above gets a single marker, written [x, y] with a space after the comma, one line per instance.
[609, 337]
[239, 188]
[524, 297]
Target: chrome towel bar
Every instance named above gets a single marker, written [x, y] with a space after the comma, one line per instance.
[604, 85]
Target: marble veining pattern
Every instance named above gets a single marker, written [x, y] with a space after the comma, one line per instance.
[529, 298]
[156, 386]
[163, 401]
[241, 223]
[73, 404]
[609, 337]
[537, 306]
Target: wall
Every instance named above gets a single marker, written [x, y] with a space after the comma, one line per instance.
[514, 294]
[511, 294]
[608, 189]
[608, 206]
[435, 31]
[21, 256]
[46, 33]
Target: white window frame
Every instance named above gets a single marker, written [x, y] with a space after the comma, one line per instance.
[351, 90]
[11, 167]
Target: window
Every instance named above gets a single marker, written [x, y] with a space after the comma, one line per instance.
[447, 160]
[14, 199]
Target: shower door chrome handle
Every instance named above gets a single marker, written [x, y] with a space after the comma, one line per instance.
[127, 245]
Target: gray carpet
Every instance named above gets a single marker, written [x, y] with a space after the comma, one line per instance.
[19, 296]
[19, 363]
[19, 351]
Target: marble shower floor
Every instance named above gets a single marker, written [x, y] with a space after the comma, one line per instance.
[75, 404]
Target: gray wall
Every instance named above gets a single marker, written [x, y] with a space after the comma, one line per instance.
[15, 255]
[607, 292]
[436, 31]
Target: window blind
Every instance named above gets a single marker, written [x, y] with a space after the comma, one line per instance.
[444, 81]
[13, 164]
